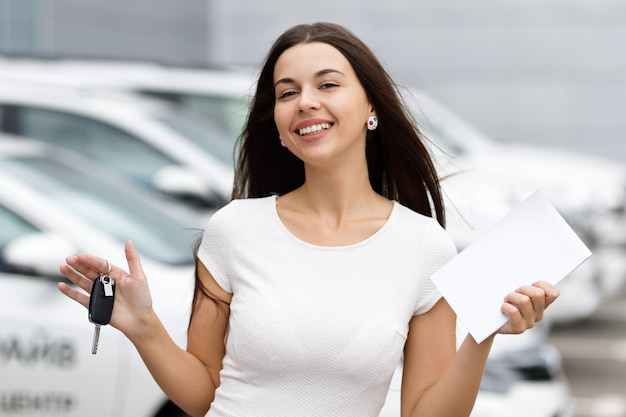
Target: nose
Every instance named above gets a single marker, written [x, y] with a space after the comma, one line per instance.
[308, 99]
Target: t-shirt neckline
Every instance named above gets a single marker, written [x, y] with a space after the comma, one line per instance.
[373, 236]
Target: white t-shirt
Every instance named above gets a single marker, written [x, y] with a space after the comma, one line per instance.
[316, 330]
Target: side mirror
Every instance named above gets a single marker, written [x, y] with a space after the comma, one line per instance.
[184, 184]
[37, 254]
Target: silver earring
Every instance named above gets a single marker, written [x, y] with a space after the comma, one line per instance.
[281, 141]
[372, 123]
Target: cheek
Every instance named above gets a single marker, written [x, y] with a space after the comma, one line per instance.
[281, 119]
[355, 110]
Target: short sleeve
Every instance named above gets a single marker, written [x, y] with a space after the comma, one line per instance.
[215, 248]
[439, 249]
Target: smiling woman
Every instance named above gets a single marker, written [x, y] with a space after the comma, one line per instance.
[314, 280]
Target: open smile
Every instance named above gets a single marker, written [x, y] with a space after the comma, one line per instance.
[313, 129]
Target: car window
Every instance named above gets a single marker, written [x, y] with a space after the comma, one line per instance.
[107, 144]
[166, 235]
[227, 113]
[11, 227]
[203, 134]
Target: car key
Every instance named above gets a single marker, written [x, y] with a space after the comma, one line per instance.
[101, 305]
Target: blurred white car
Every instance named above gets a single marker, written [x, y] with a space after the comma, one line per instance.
[218, 96]
[214, 95]
[139, 138]
[54, 204]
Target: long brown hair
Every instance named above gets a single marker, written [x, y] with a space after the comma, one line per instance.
[399, 164]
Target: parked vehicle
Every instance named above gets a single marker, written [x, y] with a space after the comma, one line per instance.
[218, 96]
[54, 204]
[138, 138]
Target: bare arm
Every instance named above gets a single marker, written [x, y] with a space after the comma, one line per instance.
[189, 378]
[439, 382]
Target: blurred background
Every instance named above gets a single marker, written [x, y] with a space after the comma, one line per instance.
[144, 98]
[549, 72]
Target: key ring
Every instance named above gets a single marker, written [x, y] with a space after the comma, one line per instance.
[108, 267]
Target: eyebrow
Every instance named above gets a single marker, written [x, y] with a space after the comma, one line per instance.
[318, 74]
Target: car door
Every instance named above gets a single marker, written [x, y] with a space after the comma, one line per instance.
[46, 365]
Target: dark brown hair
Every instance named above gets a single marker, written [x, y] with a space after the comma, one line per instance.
[399, 164]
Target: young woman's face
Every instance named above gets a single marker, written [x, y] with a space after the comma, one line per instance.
[321, 108]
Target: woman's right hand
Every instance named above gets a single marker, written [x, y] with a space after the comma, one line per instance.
[133, 303]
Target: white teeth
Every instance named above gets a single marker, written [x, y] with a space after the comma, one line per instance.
[313, 129]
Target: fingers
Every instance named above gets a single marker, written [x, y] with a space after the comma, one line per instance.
[526, 306]
[72, 271]
[551, 291]
[88, 265]
[82, 270]
[75, 295]
[134, 263]
[133, 303]
[530, 301]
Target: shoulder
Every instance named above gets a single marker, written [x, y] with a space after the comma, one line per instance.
[413, 220]
[426, 230]
[230, 232]
[238, 218]
[240, 210]
[246, 204]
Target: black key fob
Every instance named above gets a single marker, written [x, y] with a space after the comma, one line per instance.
[101, 300]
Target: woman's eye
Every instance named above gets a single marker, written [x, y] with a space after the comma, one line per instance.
[328, 85]
[286, 94]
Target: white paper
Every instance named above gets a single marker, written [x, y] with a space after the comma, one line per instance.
[531, 243]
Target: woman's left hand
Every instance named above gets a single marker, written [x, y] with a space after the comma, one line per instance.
[526, 306]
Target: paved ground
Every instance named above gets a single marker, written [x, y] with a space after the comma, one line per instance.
[594, 359]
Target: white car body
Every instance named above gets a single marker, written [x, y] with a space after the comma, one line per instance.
[137, 137]
[45, 339]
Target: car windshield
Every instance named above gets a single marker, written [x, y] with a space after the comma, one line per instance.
[166, 236]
